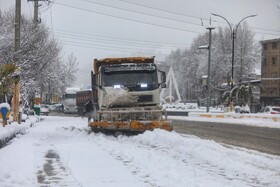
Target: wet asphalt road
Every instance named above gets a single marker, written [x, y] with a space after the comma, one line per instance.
[262, 139]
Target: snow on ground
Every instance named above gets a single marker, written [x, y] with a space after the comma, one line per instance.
[59, 151]
[261, 122]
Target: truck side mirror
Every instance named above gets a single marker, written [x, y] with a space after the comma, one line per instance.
[93, 82]
[163, 79]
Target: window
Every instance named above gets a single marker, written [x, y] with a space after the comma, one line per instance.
[274, 45]
[274, 60]
[263, 61]
[264, 46]
[274, 91]
[274, 75]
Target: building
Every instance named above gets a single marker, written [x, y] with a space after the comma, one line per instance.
[270, 72]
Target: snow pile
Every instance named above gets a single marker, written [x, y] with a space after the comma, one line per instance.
[119, 97]
[261, 122]
[6, 105]
[12, 130]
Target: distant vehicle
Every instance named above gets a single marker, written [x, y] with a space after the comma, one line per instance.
[44, 110]
[83, 102]
[57, 107]
[270, 110]
[28, 111]
[242, 110]
[69, 100]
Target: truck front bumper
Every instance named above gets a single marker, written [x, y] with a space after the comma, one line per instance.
[131, 126]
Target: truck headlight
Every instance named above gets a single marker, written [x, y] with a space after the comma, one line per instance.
[144, 85]
[117, 86]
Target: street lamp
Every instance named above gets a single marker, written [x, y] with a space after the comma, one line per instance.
[233, 34]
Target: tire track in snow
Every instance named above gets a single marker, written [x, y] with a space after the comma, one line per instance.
[160, 158]
[51, 171]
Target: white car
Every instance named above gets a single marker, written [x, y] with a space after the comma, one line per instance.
[44, 110]
[271, 110]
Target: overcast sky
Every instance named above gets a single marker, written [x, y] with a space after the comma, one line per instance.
[120, 28]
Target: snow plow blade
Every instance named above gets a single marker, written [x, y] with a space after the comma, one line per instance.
[130, 126]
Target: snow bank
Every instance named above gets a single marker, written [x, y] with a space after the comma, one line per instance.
[261, 120]
[11, 130]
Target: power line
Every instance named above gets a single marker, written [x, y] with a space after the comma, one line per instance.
[271, 34]
[128, 19]
[106, 40]
[111, 46]
[138, 12]
[92, 47]
[116, 43]
[266, 29]
[120, 38]
[190, 16]
[69, 43]
[51, 19]
[162, 10]
[268, 34]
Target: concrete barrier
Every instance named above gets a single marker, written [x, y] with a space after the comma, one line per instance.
[237, 116]
[177, 113]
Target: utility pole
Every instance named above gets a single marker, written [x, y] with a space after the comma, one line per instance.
[36, 11]
[209, 66]
[16, 86]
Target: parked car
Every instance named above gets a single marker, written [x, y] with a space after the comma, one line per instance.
[44, 111]
[270, 110]
[57, 107]
[28, 111]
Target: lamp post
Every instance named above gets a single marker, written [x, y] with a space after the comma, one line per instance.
[233, 35]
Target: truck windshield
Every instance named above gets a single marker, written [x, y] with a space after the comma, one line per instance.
[133, 80]
[70, 96]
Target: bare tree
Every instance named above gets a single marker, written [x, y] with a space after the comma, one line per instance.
[71, 68]
[41, 67]
[191, 64]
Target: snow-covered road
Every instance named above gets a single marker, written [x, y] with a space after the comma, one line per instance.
[60, 151]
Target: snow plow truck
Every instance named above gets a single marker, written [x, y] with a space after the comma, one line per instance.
[126, 96]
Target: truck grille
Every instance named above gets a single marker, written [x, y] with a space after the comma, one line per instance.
[145, 98]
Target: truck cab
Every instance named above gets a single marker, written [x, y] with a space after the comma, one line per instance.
[128, 90]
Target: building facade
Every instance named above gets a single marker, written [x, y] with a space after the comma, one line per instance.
[270, 73]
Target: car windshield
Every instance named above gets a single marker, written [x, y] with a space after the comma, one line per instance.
[276, 109]
[134, 80]
[70, 96]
